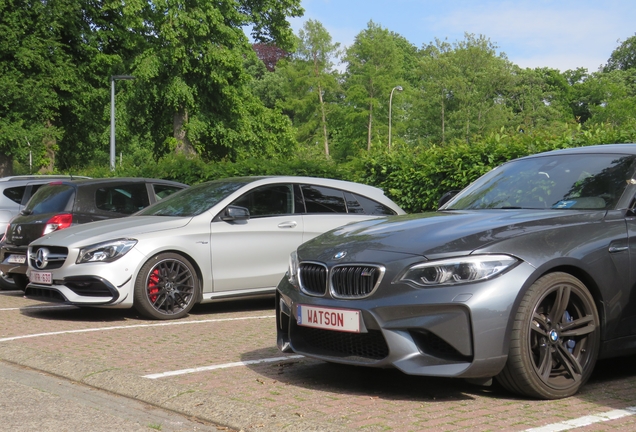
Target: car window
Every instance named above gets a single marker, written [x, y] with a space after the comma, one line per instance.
[162, 191]
[321, 199]
[362, 205]
[126, 199]
[15, 194]
[51, 199]
[194, 200]
[268, 200]
[590, 181]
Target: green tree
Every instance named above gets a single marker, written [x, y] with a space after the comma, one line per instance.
[613, 96]
[192, 89]
[311, 83]
[34, 69]
[538, 98]
[463, 88]
[374, 67]
[623, 57]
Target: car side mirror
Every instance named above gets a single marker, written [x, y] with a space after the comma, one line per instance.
[235, 213]
[446, 197]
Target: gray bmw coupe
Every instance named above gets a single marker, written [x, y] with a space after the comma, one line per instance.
[527, 276]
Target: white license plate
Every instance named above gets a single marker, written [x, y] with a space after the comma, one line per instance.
[345, 320]
[16, 259]
[40, 277]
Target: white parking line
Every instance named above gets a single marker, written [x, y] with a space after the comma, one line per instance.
[585, 421]
[162, 324]
[219, 366]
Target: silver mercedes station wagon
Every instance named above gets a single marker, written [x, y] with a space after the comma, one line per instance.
[219, 240]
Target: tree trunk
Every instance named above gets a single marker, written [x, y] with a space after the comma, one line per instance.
[183, 143]
[324, 120]
[443, 119]
[322, 103]
[369, 127]
[6, 165]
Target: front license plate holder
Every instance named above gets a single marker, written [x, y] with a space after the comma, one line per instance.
[344, 320]
[16, 259]
[43, 278]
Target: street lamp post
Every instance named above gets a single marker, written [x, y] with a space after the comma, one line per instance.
[398, 88]
[114, 78]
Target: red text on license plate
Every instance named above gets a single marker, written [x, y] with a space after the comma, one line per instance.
[346, 320]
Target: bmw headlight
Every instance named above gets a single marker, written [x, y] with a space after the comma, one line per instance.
[105, 252]
[458, 270]
[292, 270]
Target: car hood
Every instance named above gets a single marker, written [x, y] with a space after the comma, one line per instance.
[95, 232]
[439, 234]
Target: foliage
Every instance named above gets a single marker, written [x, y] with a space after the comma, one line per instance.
[623, 57]
[311, 85]
[374, 67]
[194, 170]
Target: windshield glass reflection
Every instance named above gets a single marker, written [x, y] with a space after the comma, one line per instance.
[594, 181]
[194, 200]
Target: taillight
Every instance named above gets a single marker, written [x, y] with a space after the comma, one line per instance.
[58, 222]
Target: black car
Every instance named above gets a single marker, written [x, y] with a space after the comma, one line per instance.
[527, 276]
[61, 204]
[15, 192]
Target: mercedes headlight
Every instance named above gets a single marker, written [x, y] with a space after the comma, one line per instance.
[105, 252]
[458, 270]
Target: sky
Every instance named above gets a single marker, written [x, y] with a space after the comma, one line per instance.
[559, 34]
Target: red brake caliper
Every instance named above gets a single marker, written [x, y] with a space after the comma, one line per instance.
[153, 289]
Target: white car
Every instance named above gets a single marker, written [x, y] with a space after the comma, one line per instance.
[217, 240]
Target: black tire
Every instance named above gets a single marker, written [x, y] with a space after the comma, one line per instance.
[167, 287]
[554, 341]
[6, 283]
[20, 281]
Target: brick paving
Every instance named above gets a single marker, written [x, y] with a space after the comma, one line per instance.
[291, 394]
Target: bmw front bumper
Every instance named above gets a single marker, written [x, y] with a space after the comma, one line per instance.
[450, 331]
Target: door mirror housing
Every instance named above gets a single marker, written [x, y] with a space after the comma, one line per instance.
[235, 213]
[446, 197]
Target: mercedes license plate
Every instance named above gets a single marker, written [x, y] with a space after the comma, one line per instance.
[40, 278]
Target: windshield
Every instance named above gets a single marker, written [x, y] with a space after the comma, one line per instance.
[583, 181]
[194, 200]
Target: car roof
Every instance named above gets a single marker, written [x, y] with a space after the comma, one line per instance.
[338, 184]
[109, 180]
[39, 178]
[629, 148]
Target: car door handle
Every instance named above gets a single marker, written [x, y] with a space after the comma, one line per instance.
[618, 246]
[290, 224]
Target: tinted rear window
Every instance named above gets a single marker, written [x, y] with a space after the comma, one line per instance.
[320, 199]
[15, 194]
[51, 199]
[363, 205]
